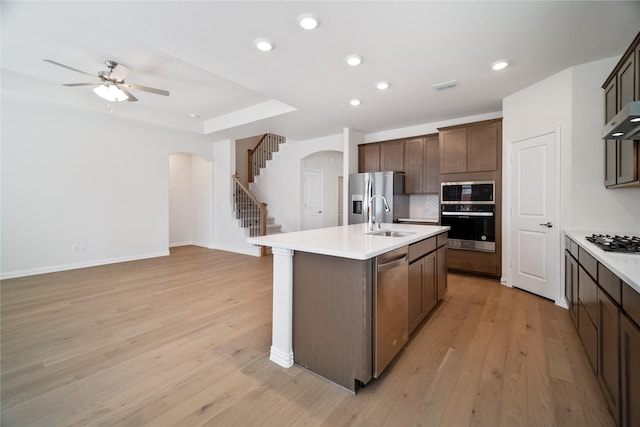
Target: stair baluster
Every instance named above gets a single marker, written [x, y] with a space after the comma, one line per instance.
[258, 155]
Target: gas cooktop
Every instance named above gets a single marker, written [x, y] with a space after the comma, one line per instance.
[624, 244]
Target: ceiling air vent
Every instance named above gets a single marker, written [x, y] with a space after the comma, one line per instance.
[445, 85]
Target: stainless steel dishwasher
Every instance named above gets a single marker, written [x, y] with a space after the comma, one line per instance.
[391, 307]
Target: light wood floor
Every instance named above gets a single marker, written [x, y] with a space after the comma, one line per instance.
[183, 340]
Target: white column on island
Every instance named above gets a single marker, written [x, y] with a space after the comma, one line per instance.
[282, 326]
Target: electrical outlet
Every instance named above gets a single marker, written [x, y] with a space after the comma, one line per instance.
[75, 247]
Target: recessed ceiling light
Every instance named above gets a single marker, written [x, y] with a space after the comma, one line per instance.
[264, 45]
[308, 21]
[354, 102]
[635, 120]
[382, 85]
[617, 134]
[500, 65]
[353, 60]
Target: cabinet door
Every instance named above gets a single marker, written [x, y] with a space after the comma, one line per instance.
[369, 158]
[626, 83]
[416, 272]
[429, 283]
[431, 165]
[482, 147]
[413, 152]
[571, 285]
[442, 271]
[588, 294]
[610, 100]
[392, 156]
[630, 372]
[627, 161]
[453, 150]
[610, 162]
[637, 98]
[608, 352]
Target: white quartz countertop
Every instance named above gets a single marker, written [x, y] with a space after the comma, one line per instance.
[348, 241]
[625, 266]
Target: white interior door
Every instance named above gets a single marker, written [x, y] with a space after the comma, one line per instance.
[534, 215]
[313, 199]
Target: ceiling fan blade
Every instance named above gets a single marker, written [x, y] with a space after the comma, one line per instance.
[147, 89]
[70, 68]
[119, 73]
[79, 84]
[130, 96]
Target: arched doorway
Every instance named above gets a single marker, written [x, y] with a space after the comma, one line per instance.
[190, 196]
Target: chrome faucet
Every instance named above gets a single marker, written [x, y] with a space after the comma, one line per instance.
[371, 219]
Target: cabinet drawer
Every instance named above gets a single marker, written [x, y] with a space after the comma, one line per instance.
[420, 249]
[610, 283]
[588, 294]
[442, 239]
[573, 248]
[588, 262]
[631, 302]
[589, 336]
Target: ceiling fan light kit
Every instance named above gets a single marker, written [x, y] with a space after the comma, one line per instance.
[112, 86]
[110, 93]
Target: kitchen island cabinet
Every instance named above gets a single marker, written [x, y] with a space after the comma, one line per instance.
[608, 303]
[324, 303]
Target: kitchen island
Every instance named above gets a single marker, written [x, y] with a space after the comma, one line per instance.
[331, 322]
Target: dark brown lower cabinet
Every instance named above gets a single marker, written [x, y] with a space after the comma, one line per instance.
[589, 336]
[442, 272]
[630, 372]
[608, 352]
[571, 285]
[422, 289]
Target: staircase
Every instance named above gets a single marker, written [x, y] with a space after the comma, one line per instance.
[263, 151]
[251, 213]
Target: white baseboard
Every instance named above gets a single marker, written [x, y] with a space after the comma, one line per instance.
[77, 265]
[254, 251]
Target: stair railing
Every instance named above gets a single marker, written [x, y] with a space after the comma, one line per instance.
[258, 155]
[251, 213]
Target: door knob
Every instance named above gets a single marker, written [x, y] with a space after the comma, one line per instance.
[548, 224]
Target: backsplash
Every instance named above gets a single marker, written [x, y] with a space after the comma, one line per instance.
[424, 206]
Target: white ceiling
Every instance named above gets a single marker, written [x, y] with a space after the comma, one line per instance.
[203, 53]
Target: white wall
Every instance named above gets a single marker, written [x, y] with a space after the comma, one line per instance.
[593, 207]
[279, 184]
[573, 101]
[425, 128]
[89, 181]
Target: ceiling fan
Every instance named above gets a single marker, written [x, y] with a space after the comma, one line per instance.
[112, 86]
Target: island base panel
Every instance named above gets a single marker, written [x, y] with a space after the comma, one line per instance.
[332, 317]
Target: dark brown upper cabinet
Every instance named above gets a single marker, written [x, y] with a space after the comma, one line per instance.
[422, 164]
[470, 148]
[622, 157]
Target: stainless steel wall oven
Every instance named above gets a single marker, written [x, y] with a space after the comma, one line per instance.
[469, 209]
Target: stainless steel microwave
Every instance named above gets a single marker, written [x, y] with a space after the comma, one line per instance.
[470, 192]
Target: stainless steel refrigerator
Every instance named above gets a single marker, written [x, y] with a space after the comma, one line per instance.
[364, 186]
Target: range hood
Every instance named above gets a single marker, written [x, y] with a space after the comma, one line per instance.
[625, 124]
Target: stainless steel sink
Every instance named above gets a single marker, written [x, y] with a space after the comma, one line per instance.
[391, 233]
